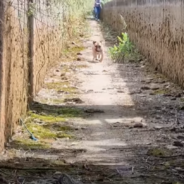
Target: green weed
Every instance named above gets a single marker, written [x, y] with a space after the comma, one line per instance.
[44, 132]
[28, 144]
[124, 50]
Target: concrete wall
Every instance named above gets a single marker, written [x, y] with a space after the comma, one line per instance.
[48, 44]
[2, 77]
[47, 51]
[14, 74]
[156, 27]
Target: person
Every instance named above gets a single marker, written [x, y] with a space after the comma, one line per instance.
[97, 9]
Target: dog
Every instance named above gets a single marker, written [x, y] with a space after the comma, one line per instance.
[97, 51]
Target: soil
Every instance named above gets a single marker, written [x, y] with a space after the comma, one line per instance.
[130, 131]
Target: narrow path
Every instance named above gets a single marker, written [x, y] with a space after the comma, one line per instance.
[130, 132]
[104, 86]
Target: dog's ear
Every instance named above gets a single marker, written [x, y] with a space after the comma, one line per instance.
[94, 42]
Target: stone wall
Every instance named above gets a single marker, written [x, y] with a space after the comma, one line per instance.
[156, 27]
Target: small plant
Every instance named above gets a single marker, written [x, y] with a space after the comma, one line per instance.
[124, 50]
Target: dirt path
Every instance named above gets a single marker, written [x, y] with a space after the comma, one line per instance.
[131, 129]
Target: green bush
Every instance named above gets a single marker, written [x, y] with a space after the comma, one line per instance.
[124, 50]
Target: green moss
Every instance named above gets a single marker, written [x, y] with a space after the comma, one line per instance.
[55, 114]
[52, 128]
[28, 144]
[60, 86]
[58, 162]
[44, 132]
[70, 53]
[159, 76]
[70, 112]
[75, 50]
[57, 127]
[43, 101]
[167, 165]
[47, 118]
[82, 66]
[57, 101]
[161, 92]
[65, 69]
[39, 131]
[159, 152]
[52, 101]
[64, 135]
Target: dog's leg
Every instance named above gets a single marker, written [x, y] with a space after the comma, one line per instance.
[93, 55]
[101, 58]
[96, 56]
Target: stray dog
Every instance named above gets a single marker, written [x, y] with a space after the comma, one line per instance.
[97, 51]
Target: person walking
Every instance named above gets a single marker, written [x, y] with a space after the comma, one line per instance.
[97, 9]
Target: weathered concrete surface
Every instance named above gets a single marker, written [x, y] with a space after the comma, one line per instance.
[156, 27]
